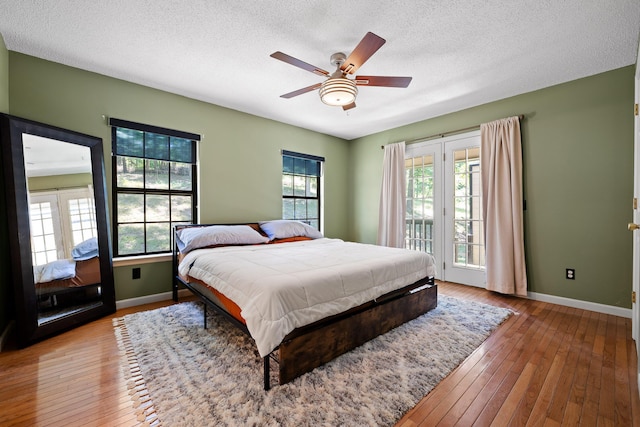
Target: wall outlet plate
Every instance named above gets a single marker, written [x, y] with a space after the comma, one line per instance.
[570, 274]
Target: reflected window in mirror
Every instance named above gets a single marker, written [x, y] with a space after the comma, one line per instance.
[46, 230]
[61, 220]
[154, 180]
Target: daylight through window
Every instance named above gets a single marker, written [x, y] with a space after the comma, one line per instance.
[420, 203]
[154, 181]
[301, 179]
[60, 220]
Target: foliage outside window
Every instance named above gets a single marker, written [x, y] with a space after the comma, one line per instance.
[420, 202]
[467, 223]
[154, 181]
[301, 179]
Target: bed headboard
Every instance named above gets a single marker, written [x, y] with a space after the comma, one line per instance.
[257, 233]
[176, 255]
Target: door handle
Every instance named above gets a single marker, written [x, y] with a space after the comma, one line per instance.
[631, 226]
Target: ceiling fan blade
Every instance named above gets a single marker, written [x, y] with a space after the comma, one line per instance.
[298, 63]
[367, 47]
[301, 91]
[349, 106]
[383, 81]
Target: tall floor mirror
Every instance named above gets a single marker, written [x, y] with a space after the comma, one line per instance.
[60, 245]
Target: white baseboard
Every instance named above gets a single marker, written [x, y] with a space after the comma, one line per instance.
[5, 334]
[147, 299]
[584, 305]
[575, 303]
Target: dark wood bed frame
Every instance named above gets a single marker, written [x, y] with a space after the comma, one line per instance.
[308, 347]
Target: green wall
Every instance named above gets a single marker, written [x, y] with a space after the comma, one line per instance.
[578, 182]
[239, 153]
[578, 166]
[52, 182]
[4, 77]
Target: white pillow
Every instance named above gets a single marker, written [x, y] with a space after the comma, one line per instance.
[285, 228]
[85, 250]
[191, 238]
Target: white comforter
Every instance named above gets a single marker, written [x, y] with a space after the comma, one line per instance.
[284, 286]
[54, 270]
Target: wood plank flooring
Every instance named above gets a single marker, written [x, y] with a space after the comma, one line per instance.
[548, 365]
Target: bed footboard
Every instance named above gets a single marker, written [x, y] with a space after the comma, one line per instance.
[309, 347]
[304, 350]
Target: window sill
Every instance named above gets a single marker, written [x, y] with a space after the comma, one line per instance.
[141, 259]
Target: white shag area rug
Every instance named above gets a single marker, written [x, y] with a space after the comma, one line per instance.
[183, 375]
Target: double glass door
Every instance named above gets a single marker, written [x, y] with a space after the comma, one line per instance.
[444, 206]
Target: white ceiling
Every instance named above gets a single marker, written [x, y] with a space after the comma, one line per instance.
[460, 53]
[46, 157]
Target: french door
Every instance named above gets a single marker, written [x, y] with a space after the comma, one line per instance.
[444, 215]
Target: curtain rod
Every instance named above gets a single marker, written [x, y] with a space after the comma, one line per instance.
[443, 134]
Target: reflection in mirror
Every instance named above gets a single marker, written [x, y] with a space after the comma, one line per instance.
[62, 213]
[56, 210]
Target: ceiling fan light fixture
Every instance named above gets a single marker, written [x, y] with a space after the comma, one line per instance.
[338, 91]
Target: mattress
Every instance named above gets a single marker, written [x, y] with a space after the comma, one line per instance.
[282, 287]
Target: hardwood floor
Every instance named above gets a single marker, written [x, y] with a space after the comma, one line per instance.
[547, 365]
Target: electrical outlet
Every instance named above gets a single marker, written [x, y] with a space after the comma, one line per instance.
[135, 273]
[571, 274]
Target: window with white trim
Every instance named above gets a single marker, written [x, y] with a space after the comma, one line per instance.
[60, 220]
[419, 230]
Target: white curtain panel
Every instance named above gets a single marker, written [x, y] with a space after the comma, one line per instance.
[392, 197]
[502, 206]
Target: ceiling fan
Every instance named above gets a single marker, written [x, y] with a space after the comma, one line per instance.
[338, 89]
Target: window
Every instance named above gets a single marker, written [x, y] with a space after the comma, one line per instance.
[420, 203]
[301, 181]
[60, 220]
[82, 215]
[467, 217]
[45, 236]
[154, 186]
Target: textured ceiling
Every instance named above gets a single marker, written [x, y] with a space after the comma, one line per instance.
[461, 53]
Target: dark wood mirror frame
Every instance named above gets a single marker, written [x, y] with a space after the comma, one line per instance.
[26, 309]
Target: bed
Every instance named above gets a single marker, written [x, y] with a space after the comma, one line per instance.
[79, 274]
[303, 298]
